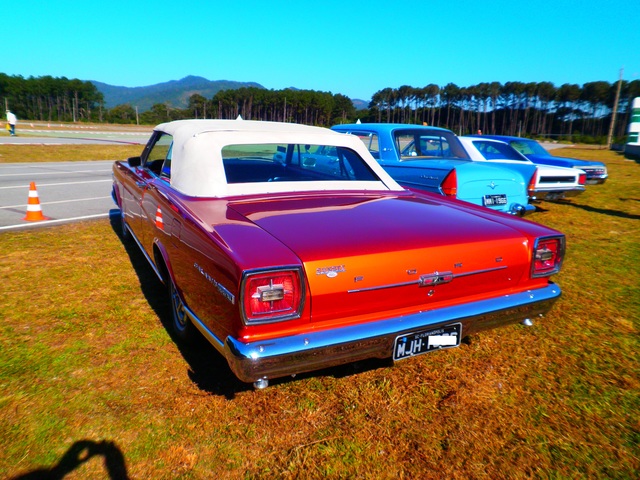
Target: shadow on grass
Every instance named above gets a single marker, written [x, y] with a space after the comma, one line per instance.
[209, 370]
[606, 211]
[588, 208]
[79, 453]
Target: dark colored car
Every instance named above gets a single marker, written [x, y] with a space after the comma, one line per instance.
[596, 171]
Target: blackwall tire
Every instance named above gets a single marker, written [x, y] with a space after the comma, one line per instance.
[123, 225]
[182, 326]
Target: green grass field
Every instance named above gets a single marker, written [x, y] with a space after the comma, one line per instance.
[91, 382]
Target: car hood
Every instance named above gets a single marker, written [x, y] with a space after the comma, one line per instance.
[367, 252]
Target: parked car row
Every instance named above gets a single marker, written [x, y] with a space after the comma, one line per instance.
[436, 160]
[293, 248]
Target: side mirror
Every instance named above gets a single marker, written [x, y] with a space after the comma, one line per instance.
[134, 161]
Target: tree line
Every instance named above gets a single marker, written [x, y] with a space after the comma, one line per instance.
[513, 108]
[251, 103]
[51, 99]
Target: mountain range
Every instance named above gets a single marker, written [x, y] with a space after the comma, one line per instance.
[175, 92]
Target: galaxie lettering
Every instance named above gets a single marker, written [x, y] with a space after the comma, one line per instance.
[225, 293]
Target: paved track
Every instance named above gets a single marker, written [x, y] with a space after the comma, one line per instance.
[50, 134]
[67, 191]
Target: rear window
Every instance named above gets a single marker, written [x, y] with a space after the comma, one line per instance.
[421, 144]
[293, 163]
[528, 147]
[497, 151]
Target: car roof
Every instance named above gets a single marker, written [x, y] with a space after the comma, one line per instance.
[197, 168]
[481, 137]
[505, 138]
[196, 127]
[386, 127]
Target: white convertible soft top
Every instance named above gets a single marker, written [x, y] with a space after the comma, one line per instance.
[197, 168]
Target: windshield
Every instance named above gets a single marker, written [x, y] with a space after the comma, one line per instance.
[418, 144]
[293, 163]
[497, 151]
[529, 147]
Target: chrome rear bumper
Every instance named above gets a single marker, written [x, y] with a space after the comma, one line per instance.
[521, 210]
[283, 356]
[556, 193]
[596, 180]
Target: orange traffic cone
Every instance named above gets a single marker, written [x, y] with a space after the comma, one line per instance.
[159, 222]
[34, 212]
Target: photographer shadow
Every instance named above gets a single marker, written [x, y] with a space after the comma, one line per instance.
[78, 454]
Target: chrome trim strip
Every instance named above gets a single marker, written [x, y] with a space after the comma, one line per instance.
[487, 270]
[417, 282]
[208, 334]
[144, 252]
[384, 287]
[318, 349]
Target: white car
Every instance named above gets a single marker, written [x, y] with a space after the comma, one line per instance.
[552, 183]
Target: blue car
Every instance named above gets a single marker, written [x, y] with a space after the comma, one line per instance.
[596, 171]
[433, 159]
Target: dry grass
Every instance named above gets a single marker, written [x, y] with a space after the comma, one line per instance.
[91, 382]
[66, 153]
[21, 153]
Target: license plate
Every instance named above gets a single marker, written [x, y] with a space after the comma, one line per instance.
[423, 341]
[491, 200]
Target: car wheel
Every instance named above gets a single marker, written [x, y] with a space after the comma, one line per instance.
[182, 326]
[123, 225]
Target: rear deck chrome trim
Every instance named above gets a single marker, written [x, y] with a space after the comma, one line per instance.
[419, 282]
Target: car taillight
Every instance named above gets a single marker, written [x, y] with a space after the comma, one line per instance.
[272, 295]
[531, 188]
[548, 253]
[582, 178]
[449, 186]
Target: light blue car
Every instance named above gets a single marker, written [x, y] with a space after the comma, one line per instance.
[433, 159]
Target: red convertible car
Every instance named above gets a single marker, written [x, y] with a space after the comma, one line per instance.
[288, 263]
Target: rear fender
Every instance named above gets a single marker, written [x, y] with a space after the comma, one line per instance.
[162, 263]
[115, 195]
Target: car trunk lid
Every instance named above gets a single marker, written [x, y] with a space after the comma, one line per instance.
[369, 254]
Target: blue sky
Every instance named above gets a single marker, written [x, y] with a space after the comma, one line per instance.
[352, 48]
